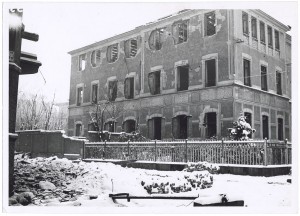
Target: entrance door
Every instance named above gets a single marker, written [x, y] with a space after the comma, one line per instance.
[211, 122]
[265, 122]
[157, 128]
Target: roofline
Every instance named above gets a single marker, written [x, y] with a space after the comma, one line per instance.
[283, 26]
[137, 29]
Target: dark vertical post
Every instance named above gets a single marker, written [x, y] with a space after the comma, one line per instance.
[222, 156]
[185, 147]
[128, 149]
[83, 150]
[15, 39]
[286, 152]
[104, 152]
[265, 152]
[155, 150]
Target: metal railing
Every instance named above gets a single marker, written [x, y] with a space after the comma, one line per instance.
[258, 152]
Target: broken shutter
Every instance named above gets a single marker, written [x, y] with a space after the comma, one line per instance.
[151, 82]
[157, 82]
[150, 128]
[112, 90]
[175, 32]
[175, 127]
[127, 88]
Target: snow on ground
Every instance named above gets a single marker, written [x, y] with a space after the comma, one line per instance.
[101, 179]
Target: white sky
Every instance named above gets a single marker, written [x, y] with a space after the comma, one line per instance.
[63, 27]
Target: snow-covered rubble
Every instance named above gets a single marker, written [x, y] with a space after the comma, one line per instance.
[62, 182]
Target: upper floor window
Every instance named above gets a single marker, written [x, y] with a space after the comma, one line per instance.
[129, 88]
[180, 31]
[245, 24]
[264, 81]
[276, 34]
[94, 93]
[270, 37]
[95, 58]
[210, 23]
[79, 96]
[254, 27]
[154, 82]
[278, 83]
[156, 39]
[112, 90]
[112, 53]
[130, 48]
[182, 78]
[262, 32]
[82, 62]
[247, 72]
[210, 72]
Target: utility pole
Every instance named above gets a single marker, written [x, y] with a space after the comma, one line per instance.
[19, 63]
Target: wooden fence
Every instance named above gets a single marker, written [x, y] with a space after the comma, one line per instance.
[224, 152]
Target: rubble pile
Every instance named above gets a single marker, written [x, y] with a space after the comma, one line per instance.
[183, 183]
[200, 166]
[39, 181]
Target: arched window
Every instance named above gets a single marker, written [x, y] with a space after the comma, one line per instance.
[78, 129]
[180, 127]
[154, 128]
[129, 126]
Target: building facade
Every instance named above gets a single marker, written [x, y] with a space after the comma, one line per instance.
[187, 75]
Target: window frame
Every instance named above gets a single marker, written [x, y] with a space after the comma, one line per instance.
[132, 88]
[94, 83]
[278, 128]
[108, 89]
[156, 42]
[109, 53]
[277, 40]
[156, 91]
[245, 23]
[95, 59]
[278, 87]
[81, 59]
[206, 24]
[270, 36]
[179, 29]
[262, 39]
[128, 48]
[265, 79]
[249, 76]
[254, 36]
[79, 86]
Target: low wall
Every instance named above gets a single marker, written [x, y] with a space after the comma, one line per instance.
[42, 143]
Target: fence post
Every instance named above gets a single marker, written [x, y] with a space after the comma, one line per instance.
[265, 152]
[185, 156]
[286, 152]
[155, 150]
[128, 149]
[104, 152]
[222, 157]
[83, 150]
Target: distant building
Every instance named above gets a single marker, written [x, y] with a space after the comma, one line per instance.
[188, 75]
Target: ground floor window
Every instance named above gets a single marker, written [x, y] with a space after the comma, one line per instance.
[93, 126]
[110, 126]
[154, 128]
[78, 129]
[211, 124]
[129, 126]
[265, 123]
[180, 127]
[248, 120]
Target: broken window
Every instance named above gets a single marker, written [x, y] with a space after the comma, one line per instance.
[182, 78]
[94, 93]
[211, 124]
[130, 48]
[254, 27]
[280, 128]
[79, 96]
[276, 34]
[180, 31]
[262, 33]
[248, 118]
[112, 53]
[110, 126]
[112, 90]
[210, 23]
[180, 127]
[245, 24]
[156, 39]
[264, 78]
[129, 88]
[265, 122]
[95, 58]
[278, 83]
[78, 129]
[247, 78]
[129, 126]
[154, 128]
[210, 72]
[154, 82]
[270, 37]
[82, 62]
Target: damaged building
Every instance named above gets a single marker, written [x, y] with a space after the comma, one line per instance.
[187, 75]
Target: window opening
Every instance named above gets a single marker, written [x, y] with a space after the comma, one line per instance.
[265, 122]
[129, 126]
[247, 78]
[210, 66]
[154, 82]
[210, 23]
[112, 90]
[129, 88]
[182, 78]
[264, 79]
